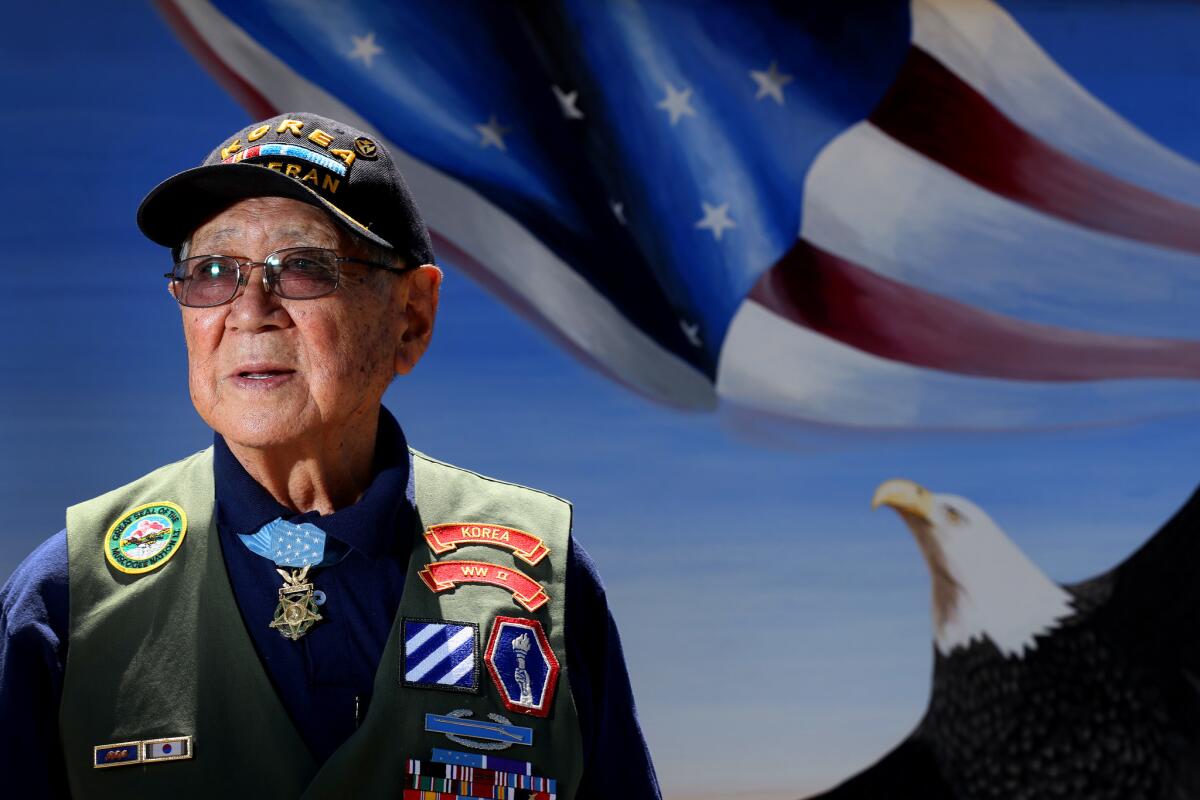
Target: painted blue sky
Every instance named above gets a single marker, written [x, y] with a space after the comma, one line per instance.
[776, 629]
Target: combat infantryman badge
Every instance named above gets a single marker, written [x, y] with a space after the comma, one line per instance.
[523, 666]
[461, 728]
[296, 611]
[145, 538]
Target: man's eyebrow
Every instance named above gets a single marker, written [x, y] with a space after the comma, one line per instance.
[314, 235]
[220, 236]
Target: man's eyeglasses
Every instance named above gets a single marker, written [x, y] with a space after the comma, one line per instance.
[295, 273]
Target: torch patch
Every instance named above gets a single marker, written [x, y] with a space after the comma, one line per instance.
[523, 667]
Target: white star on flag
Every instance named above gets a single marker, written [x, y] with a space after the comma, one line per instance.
[567, 101]
[618, 210]
[365, 48]
[677, 103]
[770, 83]
[716, 219]
[491, 133]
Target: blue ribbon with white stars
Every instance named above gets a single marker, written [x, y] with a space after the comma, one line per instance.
[288, 544]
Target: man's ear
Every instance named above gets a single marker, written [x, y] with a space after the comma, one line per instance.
[420, 308]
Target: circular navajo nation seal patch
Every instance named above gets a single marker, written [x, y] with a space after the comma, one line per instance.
[145, 538]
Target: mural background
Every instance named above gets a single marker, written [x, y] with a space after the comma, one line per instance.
[777, 631]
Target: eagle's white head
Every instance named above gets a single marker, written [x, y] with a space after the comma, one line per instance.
[983, 585]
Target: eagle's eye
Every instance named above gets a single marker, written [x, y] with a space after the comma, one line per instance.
[954, 515]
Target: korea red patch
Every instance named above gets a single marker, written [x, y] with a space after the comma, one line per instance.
[448, 536]
[523, 666]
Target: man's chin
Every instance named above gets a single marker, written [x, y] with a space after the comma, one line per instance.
[263, 429]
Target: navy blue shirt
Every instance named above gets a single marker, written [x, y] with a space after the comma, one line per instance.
[325, 679]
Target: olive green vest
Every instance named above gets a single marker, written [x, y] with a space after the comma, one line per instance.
[165, 653]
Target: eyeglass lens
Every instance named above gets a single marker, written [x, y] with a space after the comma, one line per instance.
[295, 274]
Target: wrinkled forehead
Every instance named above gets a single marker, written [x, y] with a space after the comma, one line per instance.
[275, 222]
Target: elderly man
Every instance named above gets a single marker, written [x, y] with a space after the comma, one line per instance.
[310, 608]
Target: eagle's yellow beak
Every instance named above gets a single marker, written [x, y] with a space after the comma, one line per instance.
[905, 496]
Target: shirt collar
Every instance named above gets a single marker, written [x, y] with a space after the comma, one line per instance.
[370, 526]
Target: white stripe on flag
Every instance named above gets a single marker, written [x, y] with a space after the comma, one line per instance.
[440, 654]
[983, 45]
[875, 202]
[771, 365]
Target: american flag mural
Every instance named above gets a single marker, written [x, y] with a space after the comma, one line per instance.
[874, 215]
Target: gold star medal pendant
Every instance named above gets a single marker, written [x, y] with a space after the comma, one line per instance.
[296, 611]
[300, 546]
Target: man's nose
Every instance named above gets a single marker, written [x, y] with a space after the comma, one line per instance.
[254, 306]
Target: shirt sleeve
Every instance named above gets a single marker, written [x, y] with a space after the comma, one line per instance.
[616, 760]
[34, 615]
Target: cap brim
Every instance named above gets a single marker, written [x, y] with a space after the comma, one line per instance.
[173, 210]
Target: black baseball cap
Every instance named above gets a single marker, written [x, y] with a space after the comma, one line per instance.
[306, 157]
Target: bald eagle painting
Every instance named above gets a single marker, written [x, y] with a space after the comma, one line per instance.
[1089, 691]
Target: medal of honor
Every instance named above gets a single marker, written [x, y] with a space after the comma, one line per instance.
[292, 545]
[297, 608]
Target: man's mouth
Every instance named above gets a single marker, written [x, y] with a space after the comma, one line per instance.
[264, 375]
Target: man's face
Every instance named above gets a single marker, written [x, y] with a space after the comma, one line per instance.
[267, 372]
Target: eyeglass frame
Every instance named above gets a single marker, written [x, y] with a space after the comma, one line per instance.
[270, 273]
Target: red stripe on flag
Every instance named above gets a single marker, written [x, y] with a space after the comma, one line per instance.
[932, 111]
[842, 300]
[255, 103]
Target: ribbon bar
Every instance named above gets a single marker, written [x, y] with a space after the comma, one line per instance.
[448, 536]
[445, 576]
